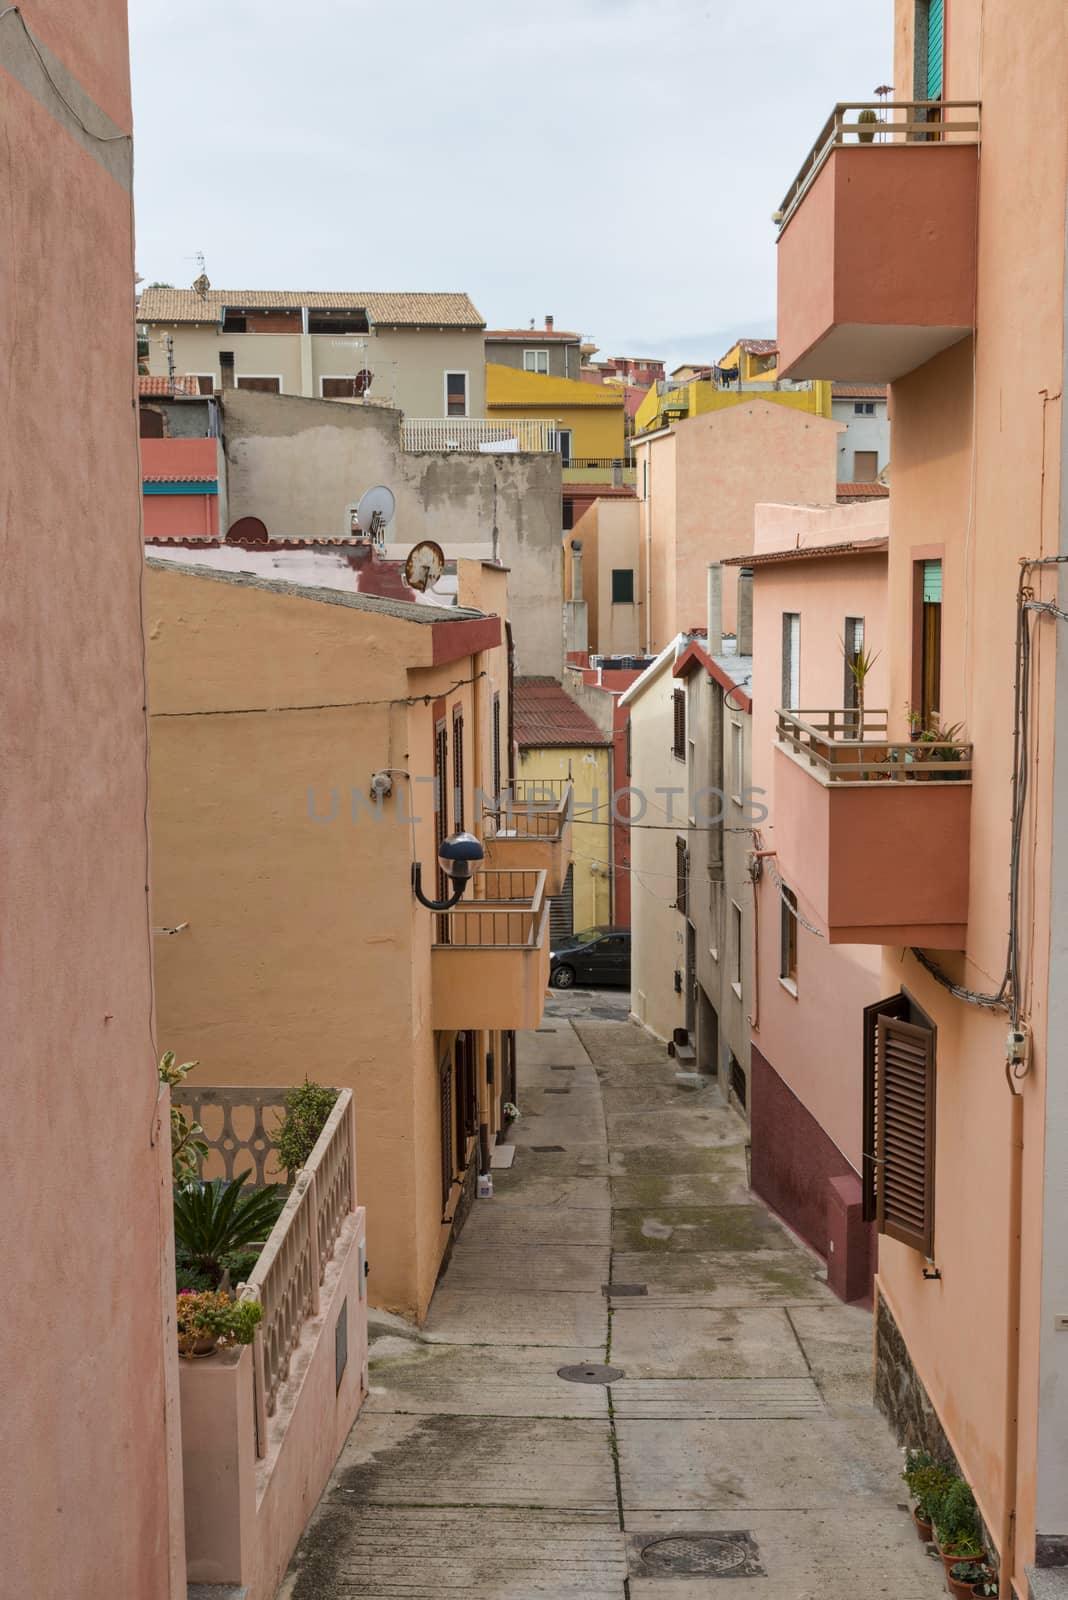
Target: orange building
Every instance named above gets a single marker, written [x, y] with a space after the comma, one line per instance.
[927, 259]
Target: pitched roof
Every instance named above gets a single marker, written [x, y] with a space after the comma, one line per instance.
[858, 391]
[861, 491]
[163, 386]
[734, 674]
[811, 552]
[545, 714]
[402, 610]
[758, 347]
[385, 308]
[532, 335]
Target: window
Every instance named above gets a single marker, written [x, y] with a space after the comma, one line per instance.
[864, 408]
[930, 30]
[853, 640]
[458, 768]
[682, 871]
[568, 517]
[337, 322]
[536, 361]
[563, 445]
[496, 749]
[445, 1133]
[791, 660]
[927, 641]
[622, 586]
[678, 708]
[456, 394]
[205, 381]
[736, 948]
[788, 938]
[736, 1077]
[234, 322]
[865, 466]
[737, 760]
[347, 388]
[899, 1122]
[260, 385]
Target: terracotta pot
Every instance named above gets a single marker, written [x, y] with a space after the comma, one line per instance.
[204, 1346]
[924, 1530]
[961, 1591]
[950, 1560]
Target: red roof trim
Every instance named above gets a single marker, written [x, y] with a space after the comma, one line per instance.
[695, 656]
[850, 547]
[453, 640]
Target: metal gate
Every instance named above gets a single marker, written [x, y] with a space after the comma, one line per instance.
[562, 911]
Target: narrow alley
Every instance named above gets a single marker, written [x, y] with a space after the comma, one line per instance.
[736, 1437]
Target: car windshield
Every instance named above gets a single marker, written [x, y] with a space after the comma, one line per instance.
[588, 937]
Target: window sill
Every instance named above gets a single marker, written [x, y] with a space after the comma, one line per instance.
[737, 989]
[713, 953]
[790, 986]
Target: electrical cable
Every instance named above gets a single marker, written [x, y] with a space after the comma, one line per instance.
[101, 138]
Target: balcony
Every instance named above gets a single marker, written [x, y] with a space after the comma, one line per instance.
[534, 830]
[873, 836]
[600, 469]
[877, 242]
[490, 959]
[482, 435]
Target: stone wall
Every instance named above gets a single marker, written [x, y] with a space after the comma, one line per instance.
[900, 1394]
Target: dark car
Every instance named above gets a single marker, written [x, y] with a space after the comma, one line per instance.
[597, 955]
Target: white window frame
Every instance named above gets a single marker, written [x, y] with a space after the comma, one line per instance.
[455, 372]
[277, 376]
[737, 760]
[791, 660]
[541, 372]
[737, 929]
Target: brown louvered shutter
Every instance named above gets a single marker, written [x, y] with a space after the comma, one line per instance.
[896, 1006]
[445, 1128]
[905, 1132]
[678, 704]
[682, 876]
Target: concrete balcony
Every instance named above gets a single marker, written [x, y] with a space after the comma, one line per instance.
[534, 830]
[877, 242]
[490, 958]
[873, 837]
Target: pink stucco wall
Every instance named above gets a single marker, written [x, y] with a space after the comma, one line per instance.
[90, 1477]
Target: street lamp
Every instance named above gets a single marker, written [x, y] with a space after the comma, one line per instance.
[459, 859]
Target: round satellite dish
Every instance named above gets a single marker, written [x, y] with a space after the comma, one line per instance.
[424, 566]
[375, 511]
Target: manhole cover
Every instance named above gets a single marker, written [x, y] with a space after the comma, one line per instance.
[547, 1149]
[591, 1373]
[624, 1288]
[713, 1555]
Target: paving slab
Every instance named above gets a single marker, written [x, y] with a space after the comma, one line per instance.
[725, 1466]
[721, 1277]
[495, 1227]
[663, 1157]
[657, 1229]
[476, 1461]
[528, 1185]
[699, 1129]
[387, 1553]
[501, 1315]
[537, 1269]
[721, 1399]
[849, 1554]
[464, 1380]
[722, 1183]
[755, 1342]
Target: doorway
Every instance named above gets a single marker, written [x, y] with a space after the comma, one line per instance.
[707, 1034]
[691, 982]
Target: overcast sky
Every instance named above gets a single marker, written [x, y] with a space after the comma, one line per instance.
[612, 162]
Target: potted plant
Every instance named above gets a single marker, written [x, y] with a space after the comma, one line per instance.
[308, 1109]
[963, 1576]
[215, 1221]
[927, 1481]
[209, 1320]
[956, 1525]
[867, 133]
[987, 1585]
[510, 1112]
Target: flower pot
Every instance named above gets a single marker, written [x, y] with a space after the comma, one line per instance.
[954, 1586]
[206, 1345]
[950, 1559]
[924, 1530]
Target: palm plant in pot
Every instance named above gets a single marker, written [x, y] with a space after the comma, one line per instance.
[956, 1525]
[217, 1224]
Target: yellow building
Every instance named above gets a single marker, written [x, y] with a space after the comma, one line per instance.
[588, 416]
[750, 367]
[559, 745]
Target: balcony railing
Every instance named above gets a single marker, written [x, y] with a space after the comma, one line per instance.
[909, 122]
[521, 435]
[490, 958]
[506, 913]
[239, 1130]
[851, 746]
[533, 829]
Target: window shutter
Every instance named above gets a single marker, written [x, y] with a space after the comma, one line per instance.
[679, 708]
[896, 1006]
[935, 34]
[682, 871]
[445, 1131]
[905, 1112]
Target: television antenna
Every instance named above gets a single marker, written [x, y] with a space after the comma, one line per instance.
[375, 512]
[424, 566]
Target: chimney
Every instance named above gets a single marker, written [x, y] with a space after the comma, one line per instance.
[715, 608]
[576, 569]
[548, 324]
[745, 611]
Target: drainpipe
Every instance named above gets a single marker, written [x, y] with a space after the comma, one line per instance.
[576, 569]
[1012, 1340]
[646, 465]
[744, 629]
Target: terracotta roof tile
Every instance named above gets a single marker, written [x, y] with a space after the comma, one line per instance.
[162, 386]
[858, 391]
[532, 335]
[545, 714]
[759, 347]
[862, 491]
[178, 477]
[383, 307]
[811, 552]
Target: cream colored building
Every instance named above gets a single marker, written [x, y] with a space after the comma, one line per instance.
[423, 353]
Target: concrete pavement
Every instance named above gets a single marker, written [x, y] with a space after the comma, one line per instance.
[740, 1442]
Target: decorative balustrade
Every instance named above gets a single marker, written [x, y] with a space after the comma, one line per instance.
[237, 1123]
[851, 746]
[522, 435]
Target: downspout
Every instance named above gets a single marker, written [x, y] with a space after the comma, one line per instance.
[511, 707]
[646, 464]
[1012, 1339]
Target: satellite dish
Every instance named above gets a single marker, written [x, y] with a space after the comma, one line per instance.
[375, 511]
[424, 566]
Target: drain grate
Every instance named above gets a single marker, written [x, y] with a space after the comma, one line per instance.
[624, 1288]
[591, 1372]
[547, 1149]
[561, 1069]
[710, 1555]
[556, 1091]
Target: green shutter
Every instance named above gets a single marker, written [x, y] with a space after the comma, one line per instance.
[932, 583]
[935, 32]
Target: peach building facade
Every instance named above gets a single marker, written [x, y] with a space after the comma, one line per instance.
[90, 1477]
[972, 1285]
[304, 949]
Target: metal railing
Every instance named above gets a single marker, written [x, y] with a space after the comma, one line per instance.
[287, 1277]
[928, 122]
[607, 462]
[507, 913]
[237, 1123]
[851, 746]
[535, 808]
[524, 435]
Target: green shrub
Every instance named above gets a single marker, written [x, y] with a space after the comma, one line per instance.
[211, 1315]
[928, 1481]
[956, 1521]
[308, 1109]
[187, 1280]
[215, 1220]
